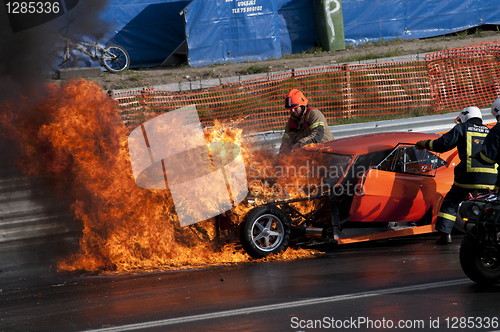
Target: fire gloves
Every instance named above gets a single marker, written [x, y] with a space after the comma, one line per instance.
[420, 145]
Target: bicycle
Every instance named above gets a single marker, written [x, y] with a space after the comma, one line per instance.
[112, 57]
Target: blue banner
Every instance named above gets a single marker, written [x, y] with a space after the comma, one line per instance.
[149, 30]
[297, 24]
[221, 31]
[371, 20]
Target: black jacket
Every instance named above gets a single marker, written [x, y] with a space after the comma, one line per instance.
[490, 152]
[468, 137]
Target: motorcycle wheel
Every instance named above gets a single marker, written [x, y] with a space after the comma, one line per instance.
[265, 231]
[477, 263]
[115, 59]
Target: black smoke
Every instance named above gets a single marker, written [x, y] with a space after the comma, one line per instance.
[25, 54]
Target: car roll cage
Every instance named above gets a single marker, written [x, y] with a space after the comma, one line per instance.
[404, 158]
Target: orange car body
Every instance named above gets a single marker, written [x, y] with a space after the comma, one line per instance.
[366, 188]
[390, 193]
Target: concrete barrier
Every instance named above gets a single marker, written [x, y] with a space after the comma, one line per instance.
[64, 74]
[425, 124]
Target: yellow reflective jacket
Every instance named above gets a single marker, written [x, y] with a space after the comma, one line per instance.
[310, 128]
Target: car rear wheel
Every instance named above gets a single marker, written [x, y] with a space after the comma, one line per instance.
[480, 265]
[266, 231]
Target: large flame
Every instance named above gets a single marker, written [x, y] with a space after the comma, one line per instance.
[75, 139]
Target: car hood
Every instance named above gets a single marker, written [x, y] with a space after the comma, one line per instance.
[369, 143]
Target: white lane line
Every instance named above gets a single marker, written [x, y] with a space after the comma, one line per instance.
[278, 306]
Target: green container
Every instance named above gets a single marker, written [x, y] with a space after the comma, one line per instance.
[330, 23]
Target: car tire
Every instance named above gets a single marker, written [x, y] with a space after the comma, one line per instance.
[477, 264]
[266, 230]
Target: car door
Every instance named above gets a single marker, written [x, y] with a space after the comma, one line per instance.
[399, 189]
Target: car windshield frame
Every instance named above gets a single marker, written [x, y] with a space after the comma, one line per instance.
[406, 159]
[339, 166]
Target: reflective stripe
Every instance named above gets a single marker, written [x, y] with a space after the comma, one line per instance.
[314, 125]
[431, 145]
[474, 186]
[447, 216]
[285, 135]
[480, 169]
[488, 160]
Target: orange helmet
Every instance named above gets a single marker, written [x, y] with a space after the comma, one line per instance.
[295, 98]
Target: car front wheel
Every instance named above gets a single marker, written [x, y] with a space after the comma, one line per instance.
[266, 231]
[480, 265]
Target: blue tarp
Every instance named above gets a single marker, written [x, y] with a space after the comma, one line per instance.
[240, 30]
[297, 23]
[148, 30]
[371, 20]
[221, 31]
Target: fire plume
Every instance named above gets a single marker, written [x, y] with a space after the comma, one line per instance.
[75, 139]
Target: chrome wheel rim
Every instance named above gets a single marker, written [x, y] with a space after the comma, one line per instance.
[267, 232]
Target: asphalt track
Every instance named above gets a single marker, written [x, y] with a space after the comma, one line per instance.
[405, 284]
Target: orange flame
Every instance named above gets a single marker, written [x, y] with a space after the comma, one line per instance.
[76, 139]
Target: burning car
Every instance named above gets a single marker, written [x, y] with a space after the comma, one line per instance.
[348, 190]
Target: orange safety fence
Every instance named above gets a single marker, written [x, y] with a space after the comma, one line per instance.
[444, 81]
[466, 76]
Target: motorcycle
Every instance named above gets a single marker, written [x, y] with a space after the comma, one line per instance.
[480, 247]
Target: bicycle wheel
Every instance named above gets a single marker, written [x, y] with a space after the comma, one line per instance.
[115, 58]
[59, 59]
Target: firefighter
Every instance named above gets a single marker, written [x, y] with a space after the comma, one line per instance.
[490, 152]
[306, 124]
[471, 177]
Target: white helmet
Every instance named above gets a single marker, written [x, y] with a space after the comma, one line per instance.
[495, 108]
[469, 113]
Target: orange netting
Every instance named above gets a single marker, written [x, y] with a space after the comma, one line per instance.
[445, 81]
[463, 77]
